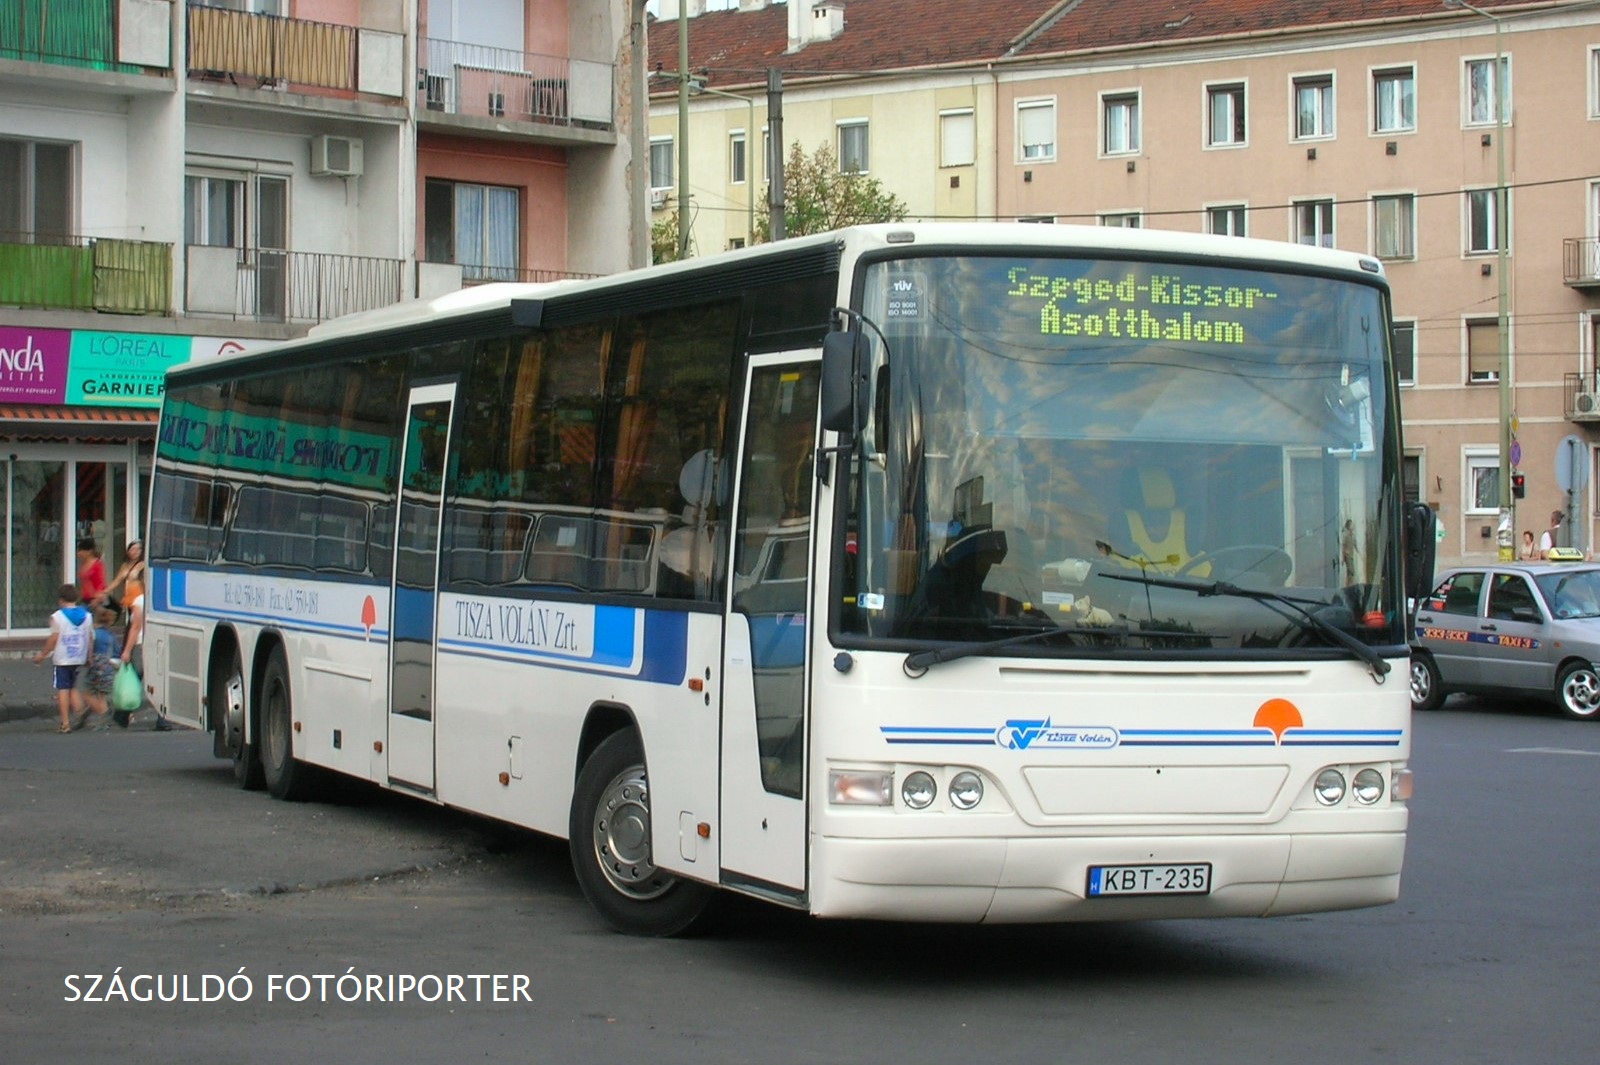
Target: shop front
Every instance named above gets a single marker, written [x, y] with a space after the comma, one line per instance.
[78, 416]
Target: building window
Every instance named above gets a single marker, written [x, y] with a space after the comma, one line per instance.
[1036, 131]
[661, 162]
[1483, 482]
[735, 243]
[853, 147]
[1038, 219]
[1313, 106]
[1121, 124]
[1394, 227]
[1483, 350]
[1411, 478]
[1225, 115]
[215, 211]
[1313, 223]
[1404, 344]
[35, 191]
[1394, 100]
[736, 157]
[474, 226]
[1227, 220]
[1483, 224]
[1483, 92]
[957, 138]
[1123, 220]
[1594, 83]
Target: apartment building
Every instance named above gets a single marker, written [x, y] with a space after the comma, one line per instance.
[1370, 125]
[181, 179]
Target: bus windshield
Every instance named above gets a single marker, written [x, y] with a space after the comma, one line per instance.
[1133, 451]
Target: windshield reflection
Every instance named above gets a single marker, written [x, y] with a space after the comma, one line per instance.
[1040, 427]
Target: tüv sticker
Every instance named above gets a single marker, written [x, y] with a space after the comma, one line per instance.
[1037, 735]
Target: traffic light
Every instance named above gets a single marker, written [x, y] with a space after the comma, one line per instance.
[1519, 486]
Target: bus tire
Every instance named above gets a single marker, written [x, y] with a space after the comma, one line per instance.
[609, 837]
[228, 709]
[285, 777]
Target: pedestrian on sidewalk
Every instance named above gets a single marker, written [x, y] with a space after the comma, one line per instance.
[67, 647]
[133, 652]
[91, 571]
[103, 663]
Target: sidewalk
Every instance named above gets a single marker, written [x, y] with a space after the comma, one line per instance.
[25, 690]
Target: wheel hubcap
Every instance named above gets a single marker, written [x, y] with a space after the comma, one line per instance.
[1420, 688]
[1582, 693]
[622, 837]
[233, 710]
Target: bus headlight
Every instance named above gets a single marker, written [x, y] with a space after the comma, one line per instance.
[1329, 787]
[1367, 786]
[918, 790]
[966, 790]
[860, 787]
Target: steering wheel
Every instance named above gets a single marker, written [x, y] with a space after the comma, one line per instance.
[1230, 563]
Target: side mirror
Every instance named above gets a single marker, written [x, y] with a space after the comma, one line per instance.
[1418, 545]
[843, 399]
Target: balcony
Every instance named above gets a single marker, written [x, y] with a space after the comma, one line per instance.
[265, 285]
[71, 273]
[497, 84]
[1581, 262]
[1581, 397]
[87, 34]
[272, 52]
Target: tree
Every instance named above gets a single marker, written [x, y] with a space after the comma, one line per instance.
[819, 198]
[664, 238]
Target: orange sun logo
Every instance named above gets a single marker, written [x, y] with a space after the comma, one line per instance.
[1279, 715]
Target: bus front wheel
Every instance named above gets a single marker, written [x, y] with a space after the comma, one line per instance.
[609, 836]
[285, 777]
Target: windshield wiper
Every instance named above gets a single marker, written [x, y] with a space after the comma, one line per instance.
[1301, 615]
[917, 663]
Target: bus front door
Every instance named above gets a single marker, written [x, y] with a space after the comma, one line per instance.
[763, 847]
[415, 594]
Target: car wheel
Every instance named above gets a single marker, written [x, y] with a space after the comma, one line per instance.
[1427, 690]
[1578, 691]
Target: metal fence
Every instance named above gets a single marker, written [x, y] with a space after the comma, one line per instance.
[289, 286]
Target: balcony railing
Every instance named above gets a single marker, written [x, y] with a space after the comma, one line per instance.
[85, 274]
[1581, 396]
[471, 79]
[1581, 257]
[488, 275]
[80, 33]
[260, 51]
[288, 286]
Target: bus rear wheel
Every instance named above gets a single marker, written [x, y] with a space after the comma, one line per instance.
[609, 837]
[226, 701]
[285, 777]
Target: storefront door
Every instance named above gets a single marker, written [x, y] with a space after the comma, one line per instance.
[54, 496]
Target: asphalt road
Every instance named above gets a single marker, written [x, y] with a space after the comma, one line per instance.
[135, 850]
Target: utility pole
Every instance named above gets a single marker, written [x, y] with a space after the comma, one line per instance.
[777, 225]
[683, 129]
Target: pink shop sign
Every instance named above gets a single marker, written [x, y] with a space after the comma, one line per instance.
[33, 365]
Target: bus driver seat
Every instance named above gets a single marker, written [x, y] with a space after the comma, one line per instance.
[1155, 527]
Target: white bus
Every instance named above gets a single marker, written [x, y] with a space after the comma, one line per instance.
[921, 572]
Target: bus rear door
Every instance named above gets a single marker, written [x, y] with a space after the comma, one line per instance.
[415, 593]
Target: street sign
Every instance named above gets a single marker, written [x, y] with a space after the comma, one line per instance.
[1572, 466]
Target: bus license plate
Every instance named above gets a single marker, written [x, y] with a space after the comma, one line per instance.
[1108, 880]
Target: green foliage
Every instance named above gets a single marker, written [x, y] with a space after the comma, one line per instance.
[819, 198]
[664, 238]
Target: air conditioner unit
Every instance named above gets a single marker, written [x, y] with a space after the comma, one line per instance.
[1586, 403]
[336, 156]
[658, 198]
